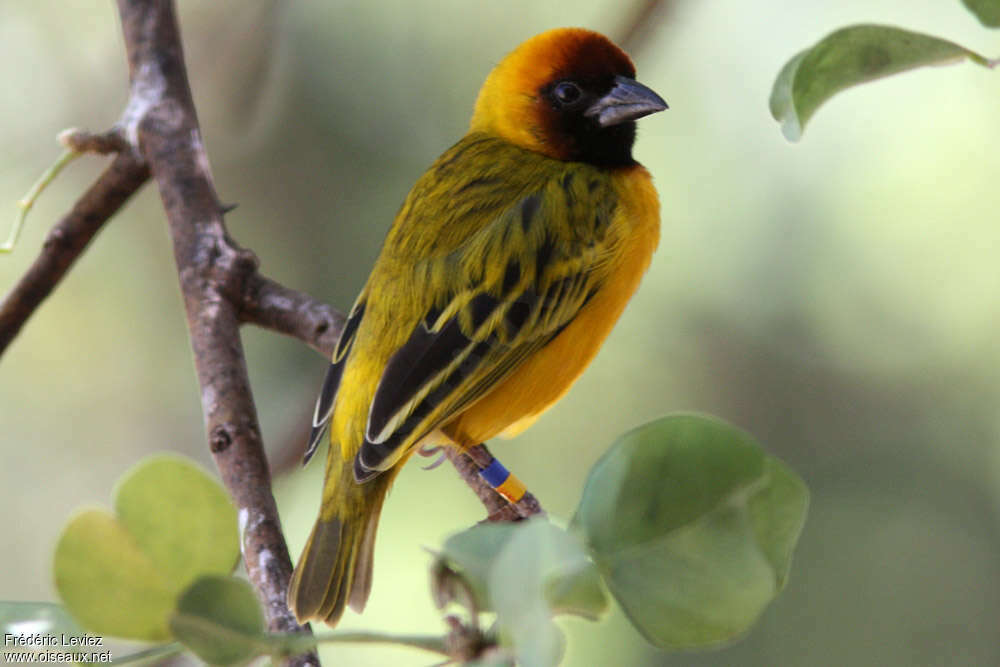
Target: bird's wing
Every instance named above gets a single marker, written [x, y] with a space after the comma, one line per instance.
[324, 403]
[518, 282]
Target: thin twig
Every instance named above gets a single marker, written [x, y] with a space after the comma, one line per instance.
[77, 142]
[102, 143]
[161, 120]
[68, 238]
[25, 205]
[643, 18]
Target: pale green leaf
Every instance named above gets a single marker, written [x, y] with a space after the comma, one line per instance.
[24, 619]
[850, 56]
[181, 517]
[540, 570]
[470, 555]
[987, 11]
[526, 572]
[108, 582]
[121, 575]
[220, 620]
[777, 514]
[692, 525]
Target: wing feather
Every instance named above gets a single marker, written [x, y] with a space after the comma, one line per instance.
[328, 394]
[521, 280]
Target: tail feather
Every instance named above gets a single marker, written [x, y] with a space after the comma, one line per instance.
[316, 571]
[335, 569]
[361, 586]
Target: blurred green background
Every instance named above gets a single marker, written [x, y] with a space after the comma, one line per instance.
[838, 298]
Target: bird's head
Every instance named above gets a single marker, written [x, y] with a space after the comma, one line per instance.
[568, 93]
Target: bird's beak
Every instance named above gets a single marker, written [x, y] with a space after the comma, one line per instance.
[627, 100]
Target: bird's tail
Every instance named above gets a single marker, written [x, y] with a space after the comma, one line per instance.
[335, 568]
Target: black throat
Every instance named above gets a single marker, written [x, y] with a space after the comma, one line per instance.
[599, 146]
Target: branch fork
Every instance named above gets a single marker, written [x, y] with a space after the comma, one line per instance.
[158, 135]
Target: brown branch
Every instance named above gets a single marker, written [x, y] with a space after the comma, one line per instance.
[104, 143]
[67, 240]
[267, 304]
[222, 289]
[161, 119]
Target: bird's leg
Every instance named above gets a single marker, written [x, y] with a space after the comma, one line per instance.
[502, 481]
[509, 487]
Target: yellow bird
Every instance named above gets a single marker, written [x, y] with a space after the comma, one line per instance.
[507, 266]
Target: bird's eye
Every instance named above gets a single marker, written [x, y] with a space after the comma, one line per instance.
[567, 92]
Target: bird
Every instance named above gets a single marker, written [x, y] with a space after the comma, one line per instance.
[503, 272]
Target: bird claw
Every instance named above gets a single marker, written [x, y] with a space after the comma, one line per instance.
[431, 451]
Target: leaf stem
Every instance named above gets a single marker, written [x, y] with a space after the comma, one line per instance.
[161, 651]
[29, 199]
[290, 644]
[991, 63]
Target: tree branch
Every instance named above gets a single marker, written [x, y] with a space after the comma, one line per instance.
[67, 240]
[272, 306]
[161, 121]
[159, 135]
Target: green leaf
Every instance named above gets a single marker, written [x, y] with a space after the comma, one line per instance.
[220, 620]
[154, 655]
[470, 555]
[777, 512]
[664, 476]
[22, 619]
[987, 11]
[120, 575]
[572, 584]
[526, 572]
[541, 570]
[848, 57]
[181, 516]
[693, 526]
[577, 589]
[108, 583]
[496, 661]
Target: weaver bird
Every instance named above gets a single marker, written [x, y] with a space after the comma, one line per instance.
[506, 267]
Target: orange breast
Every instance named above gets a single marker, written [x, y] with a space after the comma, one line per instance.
[545, 377]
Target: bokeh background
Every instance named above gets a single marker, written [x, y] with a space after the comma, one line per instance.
[838, 298]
